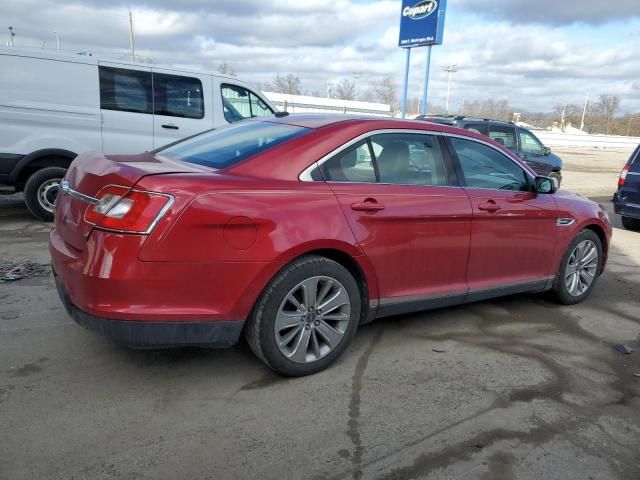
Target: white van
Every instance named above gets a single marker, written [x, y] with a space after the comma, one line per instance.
[53, 107]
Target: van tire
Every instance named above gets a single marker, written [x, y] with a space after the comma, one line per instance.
[631, 223]
[41, 190]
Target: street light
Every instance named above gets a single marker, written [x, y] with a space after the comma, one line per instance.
[357, 76]
[451, 69]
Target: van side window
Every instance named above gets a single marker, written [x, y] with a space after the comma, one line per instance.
[239, 103]
[530, 144]
[125, 90]
[487, 168]
[505, 136]
[177, 96]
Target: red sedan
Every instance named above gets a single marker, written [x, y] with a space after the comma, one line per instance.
[295, 229]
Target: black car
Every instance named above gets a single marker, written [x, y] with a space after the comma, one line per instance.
[626, 201]
[517, 139]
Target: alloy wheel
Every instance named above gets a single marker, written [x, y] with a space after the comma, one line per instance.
[582, 268]
[312, 319]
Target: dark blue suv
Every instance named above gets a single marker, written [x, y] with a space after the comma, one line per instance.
[517, 139]
[626, 201]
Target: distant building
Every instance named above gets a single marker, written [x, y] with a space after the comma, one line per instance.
[307, 104]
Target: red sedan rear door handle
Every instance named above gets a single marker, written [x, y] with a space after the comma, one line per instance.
[369, 205]
[489, 206]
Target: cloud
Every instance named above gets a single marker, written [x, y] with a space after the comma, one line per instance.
[509, 51]
[554, 12]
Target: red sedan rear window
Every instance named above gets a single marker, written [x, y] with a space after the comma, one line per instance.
[229, 145]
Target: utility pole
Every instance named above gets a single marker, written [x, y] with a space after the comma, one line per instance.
[12, 35]
[57, 40]
[357, 76]
[131, 38]
[584, 113]
[451, 69]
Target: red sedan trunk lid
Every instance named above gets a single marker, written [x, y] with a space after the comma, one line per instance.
[91, 172]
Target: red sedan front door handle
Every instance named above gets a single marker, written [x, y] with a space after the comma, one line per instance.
[489, 206]
[369, 205]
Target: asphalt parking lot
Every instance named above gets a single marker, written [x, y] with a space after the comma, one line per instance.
[516, 388]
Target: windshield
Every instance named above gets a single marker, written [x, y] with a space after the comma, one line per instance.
[230, 145]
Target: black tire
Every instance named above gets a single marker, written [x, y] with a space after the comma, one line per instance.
[631, 223]
[260, 329]
[560, 289]
[41, 208]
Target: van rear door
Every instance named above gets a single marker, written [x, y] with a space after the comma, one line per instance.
[182, 106]
[126, 105]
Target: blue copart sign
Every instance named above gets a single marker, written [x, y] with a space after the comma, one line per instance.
[422, 22]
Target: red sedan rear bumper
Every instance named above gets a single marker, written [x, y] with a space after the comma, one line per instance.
[106, 288]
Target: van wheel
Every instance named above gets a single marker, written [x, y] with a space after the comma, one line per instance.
[630, 223]
[41, 191]
[306, 318]
[557, 176]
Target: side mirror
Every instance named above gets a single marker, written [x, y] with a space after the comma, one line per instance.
[546, 185]
[547, 151]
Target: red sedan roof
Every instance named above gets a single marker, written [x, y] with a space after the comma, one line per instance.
[320, 120]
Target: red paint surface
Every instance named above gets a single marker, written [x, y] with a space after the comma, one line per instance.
[230, 231]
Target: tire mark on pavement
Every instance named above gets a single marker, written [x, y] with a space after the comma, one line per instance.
[353, 431]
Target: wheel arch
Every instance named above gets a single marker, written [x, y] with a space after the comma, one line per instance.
[599, 231]
[350, 258]
[31, 163]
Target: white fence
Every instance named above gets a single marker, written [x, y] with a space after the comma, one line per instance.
[605, 142]
[306, 104]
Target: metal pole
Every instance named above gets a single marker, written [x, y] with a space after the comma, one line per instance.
[423, 110]
[629, 129]
[584, 112]
[131, 38]
[57, 40]
[357, 76]
[406, 83]
[451, 69]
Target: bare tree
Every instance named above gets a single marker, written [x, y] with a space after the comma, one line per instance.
[384, 91]
[607, 106]
[262, 86]
[291, 84]
[346, 90]
[226, 69]
[494, 109]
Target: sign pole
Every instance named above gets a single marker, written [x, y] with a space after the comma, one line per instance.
[426, 82]
[406, 83]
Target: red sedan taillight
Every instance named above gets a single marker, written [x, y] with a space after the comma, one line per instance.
[129, 211]
[623, 175]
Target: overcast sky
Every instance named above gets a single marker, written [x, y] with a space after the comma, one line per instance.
[534, 53]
